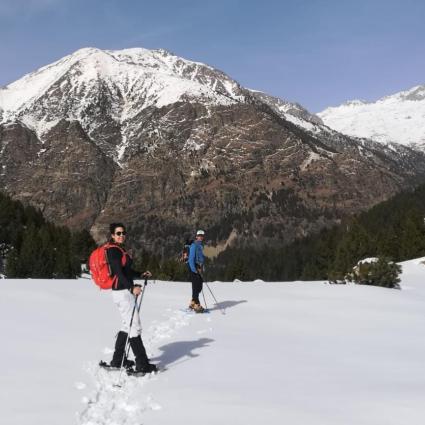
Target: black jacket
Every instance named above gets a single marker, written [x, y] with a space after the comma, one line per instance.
[125, 274]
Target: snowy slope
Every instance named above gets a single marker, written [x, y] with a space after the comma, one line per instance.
[128, 68]
[106, 91]
[132, 79]
[399, 118]
[91, 82]
[297, 353]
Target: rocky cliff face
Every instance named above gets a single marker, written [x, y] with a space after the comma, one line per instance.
[67, 176]
[168, 145]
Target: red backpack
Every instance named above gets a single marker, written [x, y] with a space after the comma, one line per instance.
[100, 269]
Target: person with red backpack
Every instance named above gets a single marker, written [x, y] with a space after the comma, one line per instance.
[124, 294]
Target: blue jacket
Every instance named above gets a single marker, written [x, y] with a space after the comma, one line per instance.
[196, 256]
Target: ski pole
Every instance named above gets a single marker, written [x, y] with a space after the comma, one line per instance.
[215, 299]
[143, 293]
[205, 301]
[127, 342]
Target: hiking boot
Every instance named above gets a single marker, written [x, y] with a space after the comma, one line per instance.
[149, 368]
[198, 308]
[192, 305]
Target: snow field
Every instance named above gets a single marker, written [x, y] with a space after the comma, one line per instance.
[303, 353]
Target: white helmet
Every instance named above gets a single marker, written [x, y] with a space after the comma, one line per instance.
[200, 233]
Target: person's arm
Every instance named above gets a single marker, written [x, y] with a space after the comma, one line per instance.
[200, 259]
[192, 255]
[114, 259]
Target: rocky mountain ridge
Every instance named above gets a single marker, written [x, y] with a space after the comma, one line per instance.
[167, 145]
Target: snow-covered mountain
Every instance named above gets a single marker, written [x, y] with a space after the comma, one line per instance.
[91, 82]
[398, 118]
[283, 353]
[156, 76]
[162, 143]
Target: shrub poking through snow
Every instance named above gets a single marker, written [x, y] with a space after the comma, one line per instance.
[376, 271]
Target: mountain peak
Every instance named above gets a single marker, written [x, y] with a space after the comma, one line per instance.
[416, 93]
[137, 77]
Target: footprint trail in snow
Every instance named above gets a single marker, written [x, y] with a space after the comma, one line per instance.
[111, 405]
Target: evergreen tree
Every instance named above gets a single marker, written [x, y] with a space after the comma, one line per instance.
[412, 236]
[354, 245]
[37, 249]
[82, 245]
[29, 261]
[380, 273]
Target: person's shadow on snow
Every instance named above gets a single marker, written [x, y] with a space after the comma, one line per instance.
[180, 350]
[223, 305]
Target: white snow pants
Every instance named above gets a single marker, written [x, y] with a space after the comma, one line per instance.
[125, 300]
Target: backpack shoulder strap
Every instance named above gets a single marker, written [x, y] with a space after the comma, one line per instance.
[112, 245]
[124, 253]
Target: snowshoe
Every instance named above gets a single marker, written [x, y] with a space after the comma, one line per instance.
[128, 364]
[108, 366]
[149, 368]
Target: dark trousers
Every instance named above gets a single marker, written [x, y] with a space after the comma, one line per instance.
[197, 282]
[119, 349]
[139, 351]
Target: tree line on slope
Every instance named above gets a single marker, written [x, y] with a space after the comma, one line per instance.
[393, 229]
[31, 247]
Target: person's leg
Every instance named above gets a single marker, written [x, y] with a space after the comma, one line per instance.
[196, 290]
[142, 361]
[197, 287]
[125, 302]
[119, 349]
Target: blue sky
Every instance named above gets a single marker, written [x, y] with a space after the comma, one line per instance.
[316, 52]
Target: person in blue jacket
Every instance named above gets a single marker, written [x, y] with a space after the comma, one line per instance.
[196, 266]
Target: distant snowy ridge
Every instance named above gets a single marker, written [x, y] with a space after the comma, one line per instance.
[288, 110]
[399, 118]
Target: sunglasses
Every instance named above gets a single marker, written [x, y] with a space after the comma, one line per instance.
[120, 233]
